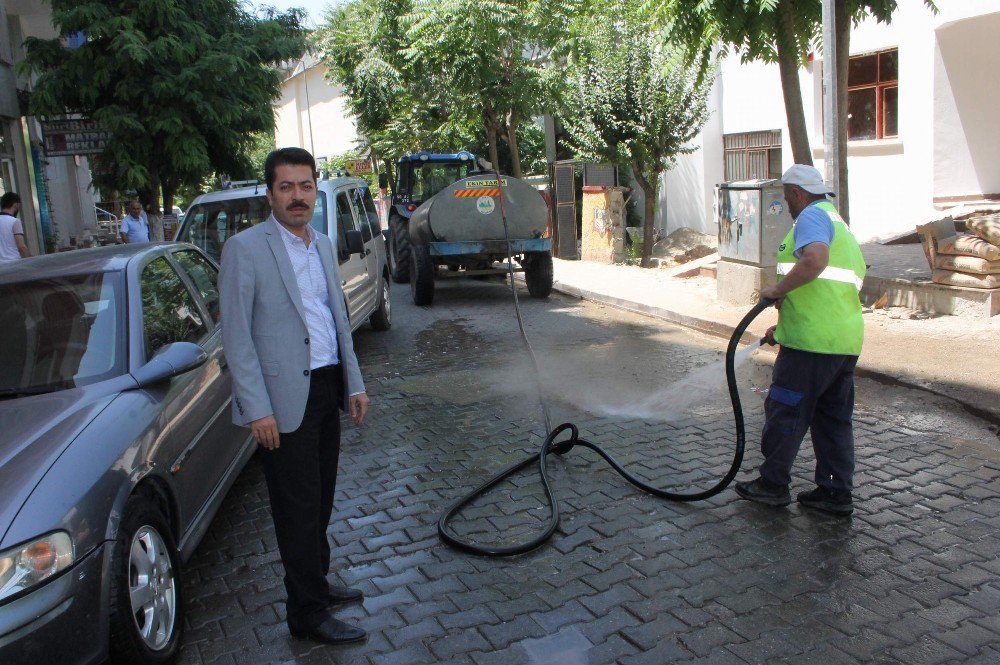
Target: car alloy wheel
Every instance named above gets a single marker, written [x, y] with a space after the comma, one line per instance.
[152, 588]
[146, 609]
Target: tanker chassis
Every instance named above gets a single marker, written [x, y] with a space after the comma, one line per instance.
[462, 228]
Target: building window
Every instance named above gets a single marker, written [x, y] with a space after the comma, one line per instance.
[753, 155]
[873, 96]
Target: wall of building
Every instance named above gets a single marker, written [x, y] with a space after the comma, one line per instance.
[949, 130]
[65, 202]
[309, 101]
[966, 109]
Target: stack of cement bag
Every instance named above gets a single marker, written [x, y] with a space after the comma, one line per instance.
[964, 259]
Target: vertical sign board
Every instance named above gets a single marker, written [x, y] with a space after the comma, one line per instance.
[65, 138]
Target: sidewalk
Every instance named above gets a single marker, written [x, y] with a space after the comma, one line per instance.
[952, 356]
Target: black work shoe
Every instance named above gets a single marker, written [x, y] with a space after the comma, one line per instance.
[763, 491]
[827, 500]
[343, 594]
[329, 631]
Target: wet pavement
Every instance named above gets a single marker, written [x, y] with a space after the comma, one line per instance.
[911, 578]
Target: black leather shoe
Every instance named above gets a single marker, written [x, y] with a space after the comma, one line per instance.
[343, 594]
[762, 491]
[827, 500]
[329, 631]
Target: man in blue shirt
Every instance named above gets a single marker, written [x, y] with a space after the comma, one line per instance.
[135, 225]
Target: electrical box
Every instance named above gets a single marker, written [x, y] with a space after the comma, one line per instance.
[752, 219]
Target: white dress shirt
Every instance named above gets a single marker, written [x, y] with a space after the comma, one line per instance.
[311, 278]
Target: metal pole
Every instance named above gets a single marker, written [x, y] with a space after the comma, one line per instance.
[831, 115]
[305, 82]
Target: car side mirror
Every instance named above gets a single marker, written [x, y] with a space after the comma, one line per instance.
[170, 361]
[355, 242]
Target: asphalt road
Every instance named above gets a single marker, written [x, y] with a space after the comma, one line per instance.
[911, 578]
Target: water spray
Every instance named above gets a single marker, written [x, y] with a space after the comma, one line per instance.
[560, 440]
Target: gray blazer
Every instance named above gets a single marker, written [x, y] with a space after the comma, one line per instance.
[264, 334]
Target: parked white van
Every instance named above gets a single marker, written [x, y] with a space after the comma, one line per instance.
[344, 211]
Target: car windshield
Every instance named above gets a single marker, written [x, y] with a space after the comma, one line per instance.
[60, 333]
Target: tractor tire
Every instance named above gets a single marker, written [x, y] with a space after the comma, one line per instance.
[421, 276]
[400, 251]
[538, 274]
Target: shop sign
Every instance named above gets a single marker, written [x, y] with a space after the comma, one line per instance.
[63, 138]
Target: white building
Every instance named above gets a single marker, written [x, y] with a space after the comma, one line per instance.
[57, 202]
[312, 113]
[924, 123]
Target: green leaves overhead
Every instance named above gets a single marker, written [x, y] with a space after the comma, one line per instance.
[181, 84]
[635, 100]
[435, 74]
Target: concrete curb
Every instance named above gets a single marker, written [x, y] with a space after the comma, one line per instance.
[724, 330]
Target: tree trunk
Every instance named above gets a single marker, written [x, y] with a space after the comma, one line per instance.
[843, 27]
[490, 120]
[515, 155]
[168, 188]
[788, 64]
[150, 200]
[649, 190]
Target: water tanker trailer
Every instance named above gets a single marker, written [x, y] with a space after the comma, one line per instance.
[462, 228]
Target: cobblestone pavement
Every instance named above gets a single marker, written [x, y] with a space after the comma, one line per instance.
[911, 578]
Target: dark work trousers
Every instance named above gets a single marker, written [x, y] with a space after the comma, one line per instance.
[301, 477]
[810, 391]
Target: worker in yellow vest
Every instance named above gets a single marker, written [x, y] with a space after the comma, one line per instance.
[820, 331]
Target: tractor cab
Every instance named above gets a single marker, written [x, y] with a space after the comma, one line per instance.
[421, 175]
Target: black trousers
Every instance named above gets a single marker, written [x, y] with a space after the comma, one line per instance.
[301, 477]
[810, 392]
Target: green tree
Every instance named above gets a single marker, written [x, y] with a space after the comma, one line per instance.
[494, 55]
[636, 100]
[400, 105]
[184, 86]
[782, 31]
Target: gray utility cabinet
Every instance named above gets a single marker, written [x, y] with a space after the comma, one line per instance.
[752, 219]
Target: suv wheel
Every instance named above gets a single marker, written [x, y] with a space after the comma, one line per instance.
[146, 612]
[381, 319]
[400, 251]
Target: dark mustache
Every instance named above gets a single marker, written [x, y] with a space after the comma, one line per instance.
[297, 205]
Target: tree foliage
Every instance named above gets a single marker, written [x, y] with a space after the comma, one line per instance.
[400, 105]
[636, 100]
[494, 53]
[443, 75]
[182, 85]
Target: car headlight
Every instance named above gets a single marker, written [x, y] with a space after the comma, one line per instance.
[26, 565]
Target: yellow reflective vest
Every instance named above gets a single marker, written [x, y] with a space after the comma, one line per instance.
[824, 316]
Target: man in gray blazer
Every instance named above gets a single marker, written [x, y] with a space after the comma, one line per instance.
[288, 343]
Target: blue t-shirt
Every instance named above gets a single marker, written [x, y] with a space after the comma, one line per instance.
[812, 225]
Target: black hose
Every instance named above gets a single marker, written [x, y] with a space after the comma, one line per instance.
[551, 445]
[562, 447]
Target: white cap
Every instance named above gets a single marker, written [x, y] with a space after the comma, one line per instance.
[806, 177]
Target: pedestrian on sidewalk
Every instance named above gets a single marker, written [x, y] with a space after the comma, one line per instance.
[12, 245]
[820, 331]
[288, 343]
[135, 225]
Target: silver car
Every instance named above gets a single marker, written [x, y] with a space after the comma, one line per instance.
[344, 211]
[116, 448]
